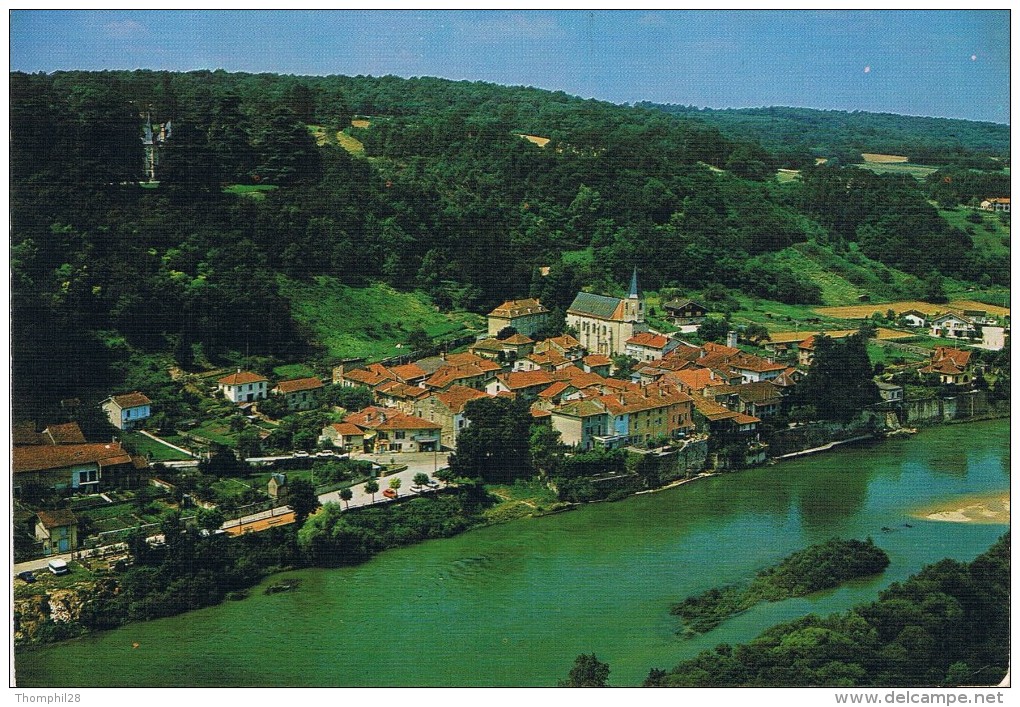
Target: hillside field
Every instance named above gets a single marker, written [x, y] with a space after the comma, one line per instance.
[369, 321]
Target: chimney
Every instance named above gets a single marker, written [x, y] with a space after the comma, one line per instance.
[731, 339]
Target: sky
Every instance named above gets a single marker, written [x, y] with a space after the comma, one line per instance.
[951, 64]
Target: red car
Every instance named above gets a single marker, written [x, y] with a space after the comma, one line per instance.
[389, 493]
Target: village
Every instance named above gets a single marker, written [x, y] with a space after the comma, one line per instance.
[609, 382]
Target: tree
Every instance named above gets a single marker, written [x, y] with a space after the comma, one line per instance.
[494, 447]
[302, 499]
[420, 479]
[346, 495]
[418, 339]
[756, 333]
[840, 383]
[713, 329]
[395, 484]
[588, 671]
[372, 487]
[444, 475]
[210, 518]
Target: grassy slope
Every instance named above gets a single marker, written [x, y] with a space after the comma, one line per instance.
[369, 321]
[992, 235]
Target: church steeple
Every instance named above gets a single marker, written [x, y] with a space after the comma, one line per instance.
[633, 285]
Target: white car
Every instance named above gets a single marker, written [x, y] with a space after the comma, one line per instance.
[301, 454]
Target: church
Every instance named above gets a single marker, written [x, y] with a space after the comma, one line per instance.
[603, 324]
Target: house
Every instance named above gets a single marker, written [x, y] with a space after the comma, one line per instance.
[760, 399]
[398, 395]
[753, 369]
[408, 374]
[806, 352]
[490, 348]
[890, 392]
[473, 375]
[723, 424]
[648, 346]
[344, 435]
[243, 386]
[389, 431]
[565, 345]
[527, 316]
[128, 410]
[579, 422]
[276, 487]
[914, 318]
[74, 467]
[951, 366]
[686, 314]
[57, 531]
[603, 324]
[527, 384]
[955, 326]
[597, 364]
[996, 203]
[407, 433]
[652, 412]
[300, 393]
[447, 409]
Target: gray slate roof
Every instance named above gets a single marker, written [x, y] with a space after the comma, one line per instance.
[596, 305]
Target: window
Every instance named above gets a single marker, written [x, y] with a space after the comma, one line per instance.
[399, 434]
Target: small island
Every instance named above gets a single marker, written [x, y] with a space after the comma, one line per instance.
[818, 567]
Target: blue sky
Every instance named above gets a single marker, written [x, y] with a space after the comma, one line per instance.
[939, 63]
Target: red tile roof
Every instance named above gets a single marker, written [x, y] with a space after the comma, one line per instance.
[298, 384]
[517, 340]
[241, 378]
[457, 396]
[365, 377]
[400, 421]
[59, 456]
[131, 400]
[347, 429]
[518, 308]
[649, 340]
[58, 518]
[595, 360]
[519, 380]
[408, 372]
[958, 357]
[68, 433]
[555, 389]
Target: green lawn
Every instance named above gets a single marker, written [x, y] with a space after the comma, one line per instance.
[231, 488]
[254, 191]
[578, 257]
[293, 370]
[140, 444]
[991, 235]
[918, 171]
[216, 431]
[369, 321]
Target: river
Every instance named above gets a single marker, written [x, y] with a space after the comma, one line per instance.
[514, 604]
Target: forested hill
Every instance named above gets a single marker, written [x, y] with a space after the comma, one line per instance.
[802, 134]
[459, 190]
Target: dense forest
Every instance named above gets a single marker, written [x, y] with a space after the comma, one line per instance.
[445, 197]
[799, 135]
[948, 625]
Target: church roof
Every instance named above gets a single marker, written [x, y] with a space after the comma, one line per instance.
[595, 305]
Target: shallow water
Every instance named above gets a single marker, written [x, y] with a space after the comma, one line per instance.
[514, 604]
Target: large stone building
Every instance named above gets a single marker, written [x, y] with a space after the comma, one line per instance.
[604, 324]
[527, 316]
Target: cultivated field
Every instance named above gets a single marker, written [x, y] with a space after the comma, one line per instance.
[862, 311]
[877, 158]
[360, 123]
[786, 337]
[540, 141]
[350, 144]
[918, 171]
[787, 175]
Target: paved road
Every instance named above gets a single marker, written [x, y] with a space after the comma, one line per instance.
[417, 463]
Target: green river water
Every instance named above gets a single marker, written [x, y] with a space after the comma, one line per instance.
[513, 604]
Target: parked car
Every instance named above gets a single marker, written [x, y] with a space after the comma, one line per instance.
[325, 453]
[27, 576]
[301, 454]
[58, 567]
[389, 493]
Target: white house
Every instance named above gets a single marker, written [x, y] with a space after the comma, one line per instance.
[128, 410]
[648, 346]
[914, 318]
[243, 386]
[954, 326]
